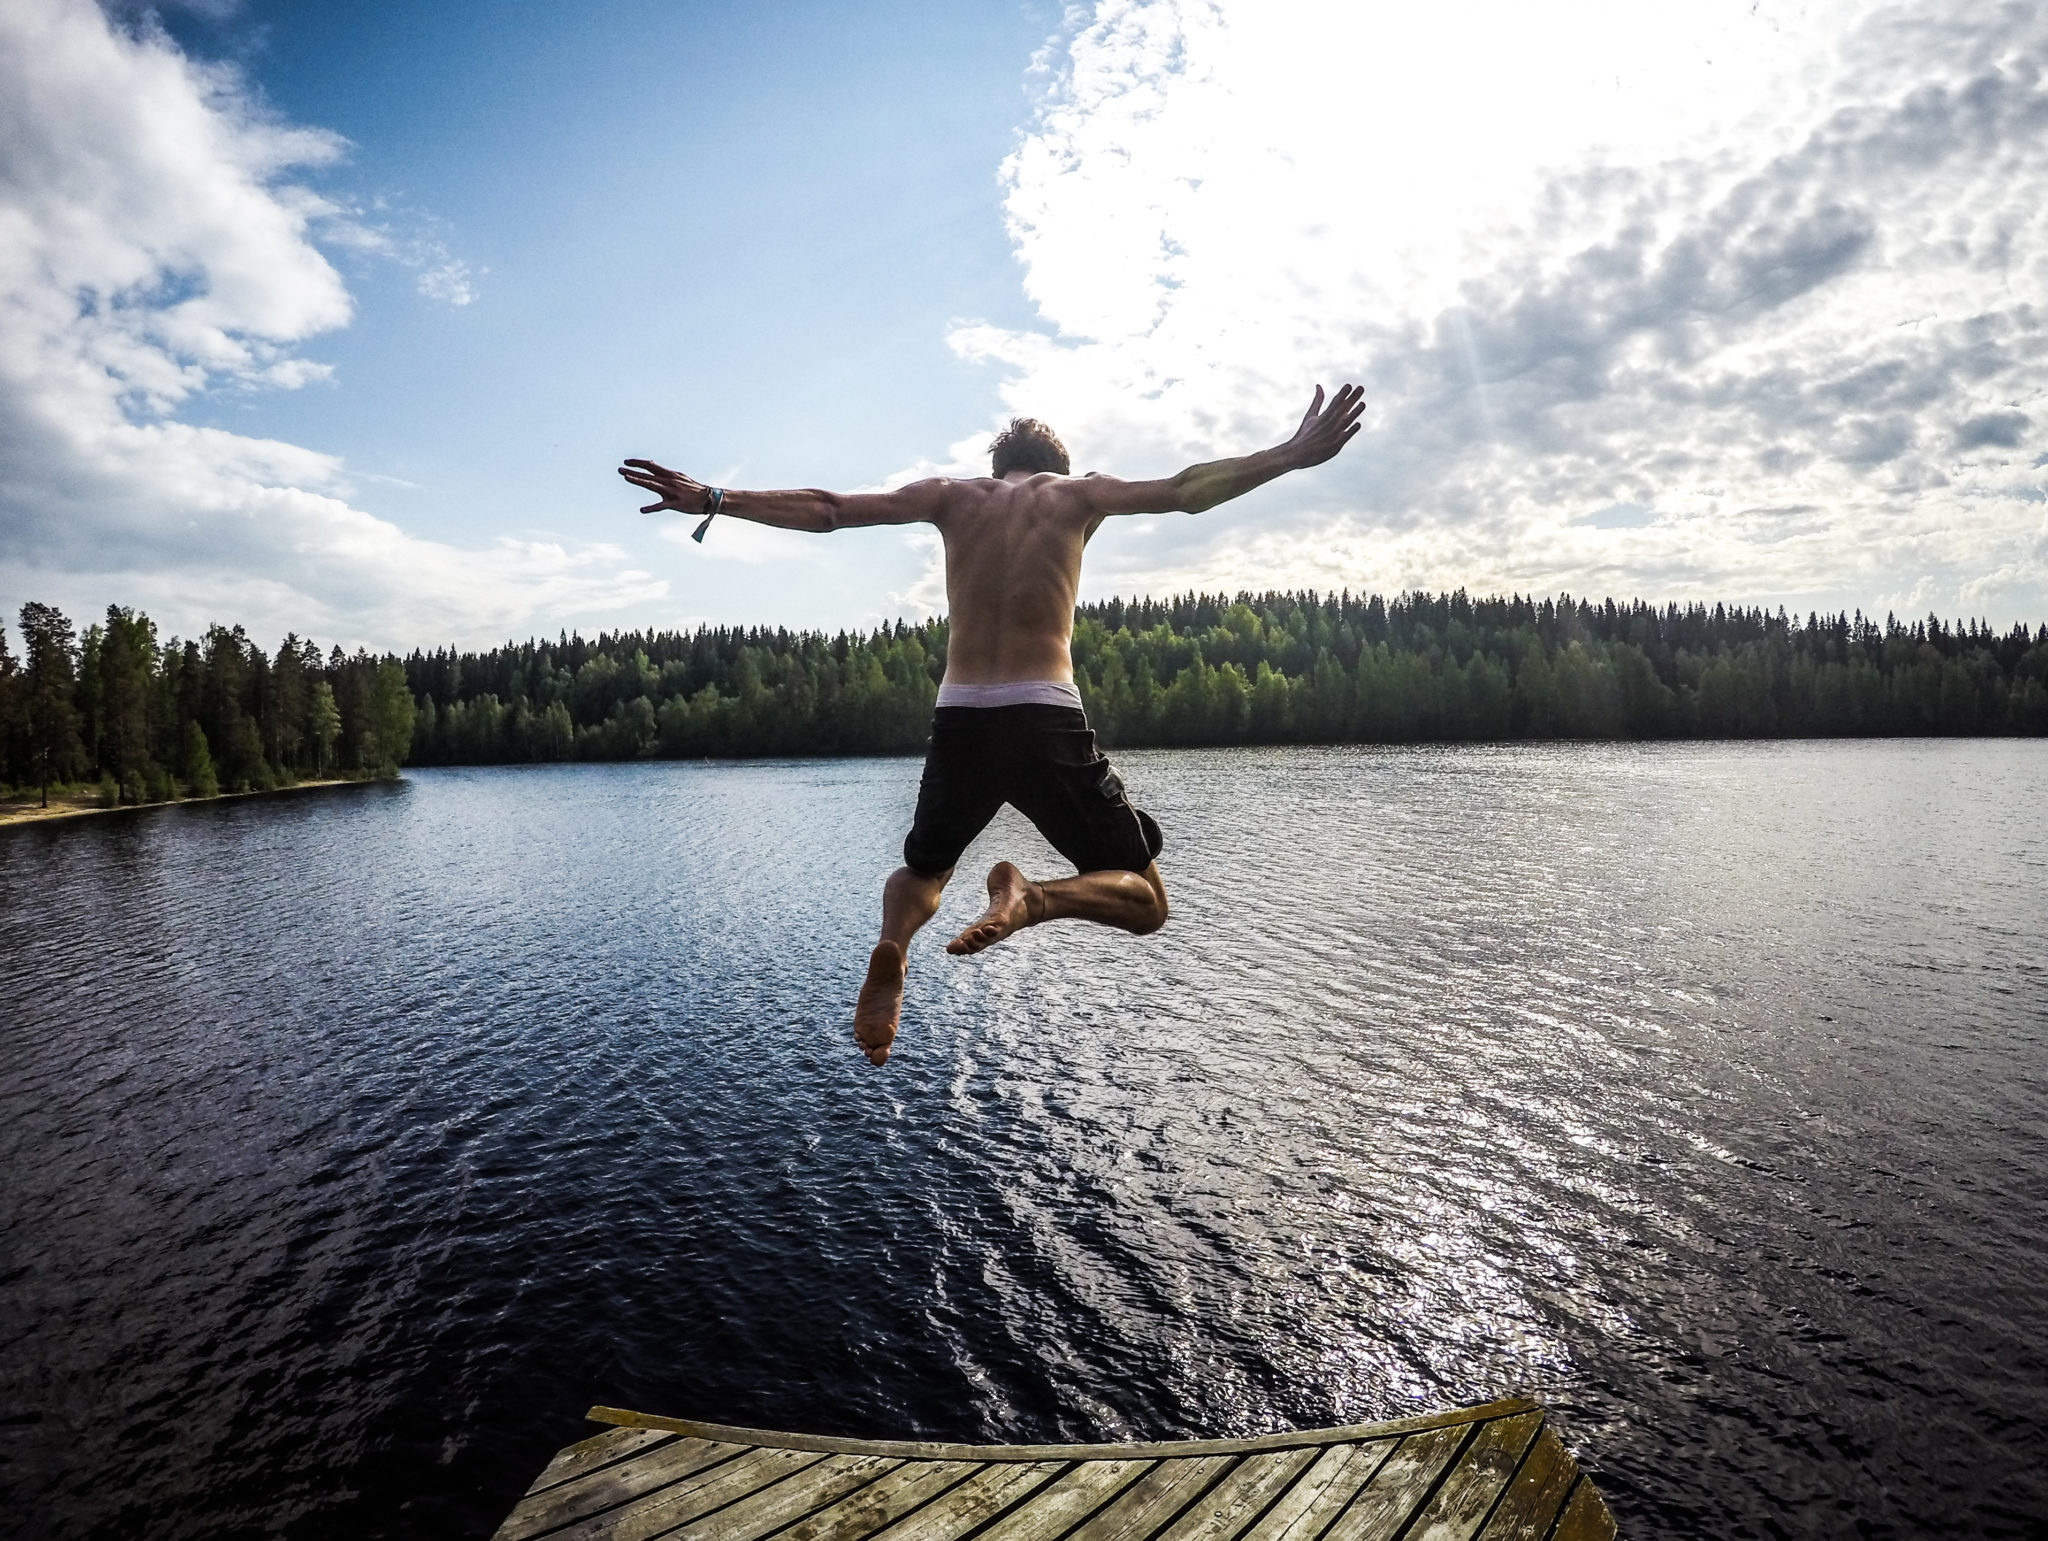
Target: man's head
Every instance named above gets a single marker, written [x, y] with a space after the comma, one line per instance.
[1027, 445]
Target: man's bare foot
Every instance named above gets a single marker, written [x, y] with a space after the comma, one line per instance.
[1013, 903]
[880, 1002]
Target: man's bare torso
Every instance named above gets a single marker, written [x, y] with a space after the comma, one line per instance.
[1013, 568]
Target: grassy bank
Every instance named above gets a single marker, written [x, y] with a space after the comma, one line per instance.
[74, 801]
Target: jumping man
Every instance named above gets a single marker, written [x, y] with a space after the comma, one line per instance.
[1009, 725]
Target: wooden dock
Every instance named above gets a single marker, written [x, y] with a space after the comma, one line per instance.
[1476, 1474]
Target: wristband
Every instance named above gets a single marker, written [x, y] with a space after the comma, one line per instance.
[710, 513]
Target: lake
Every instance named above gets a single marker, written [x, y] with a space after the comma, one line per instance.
[355, 1142]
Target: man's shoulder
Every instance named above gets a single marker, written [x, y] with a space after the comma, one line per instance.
[1046, 486]
[1040, 489]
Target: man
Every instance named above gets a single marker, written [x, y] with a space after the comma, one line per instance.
[1009, 725]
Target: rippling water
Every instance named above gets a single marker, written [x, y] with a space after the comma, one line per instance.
[355, 1142]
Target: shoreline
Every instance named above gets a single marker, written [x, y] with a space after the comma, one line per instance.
[79, 807]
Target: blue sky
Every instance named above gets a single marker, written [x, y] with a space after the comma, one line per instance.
[728, 234]
[731, 237]
[337, 318]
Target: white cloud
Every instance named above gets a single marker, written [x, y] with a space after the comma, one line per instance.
[152, 247]
[925, 597]
[440, 274]
[1772, 277]
[448, 279]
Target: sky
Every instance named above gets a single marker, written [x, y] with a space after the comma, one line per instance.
[337, 319]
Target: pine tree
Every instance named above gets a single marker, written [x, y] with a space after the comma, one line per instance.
[50, 679]
[127, 666]
[13, 751]
[323, 723]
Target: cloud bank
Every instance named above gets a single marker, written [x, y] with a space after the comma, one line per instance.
[1733, 300]
[154, 247]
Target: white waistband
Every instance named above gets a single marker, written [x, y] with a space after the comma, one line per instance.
[1011, 693]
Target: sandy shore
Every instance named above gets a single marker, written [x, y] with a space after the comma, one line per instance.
[78, 805]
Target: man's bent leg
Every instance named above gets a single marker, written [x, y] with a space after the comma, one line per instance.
[1130, 901]
[909, 899]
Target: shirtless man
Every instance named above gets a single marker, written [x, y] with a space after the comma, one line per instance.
[1009, 725]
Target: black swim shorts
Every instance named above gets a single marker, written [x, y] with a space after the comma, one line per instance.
[1043, 762]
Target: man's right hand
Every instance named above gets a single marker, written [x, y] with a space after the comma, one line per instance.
[684, 494]
[1326, 430]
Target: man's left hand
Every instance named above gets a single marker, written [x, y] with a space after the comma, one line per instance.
[1326, 430]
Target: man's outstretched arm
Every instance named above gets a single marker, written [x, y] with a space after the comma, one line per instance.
[1323, 432]
[801, 508]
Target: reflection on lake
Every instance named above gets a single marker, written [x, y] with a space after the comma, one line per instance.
[354, 1143]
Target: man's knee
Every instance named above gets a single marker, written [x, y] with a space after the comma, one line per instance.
[919, 889]
[1154, 916]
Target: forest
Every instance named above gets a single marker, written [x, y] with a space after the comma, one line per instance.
[141, 720]
[137, 720]
[1254, 669]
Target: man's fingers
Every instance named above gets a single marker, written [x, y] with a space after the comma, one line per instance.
[657, 478]
[1327, 429]
[1342, 410]
[1346, 407]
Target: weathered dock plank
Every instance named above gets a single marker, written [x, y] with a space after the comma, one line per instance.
[988, 1492]
[1397, 1489]
[1319, 1497]
[1154, 1499]
[607, 1487]
[770, 1509]
[1533, 1499]
[1241, 1497]
[1585, 1516]
[656, 1513]
[1079, 1492]
[1496, 1472]
[1460, 1506]
[873, 1508]
[926, 1450]
[605, 1449]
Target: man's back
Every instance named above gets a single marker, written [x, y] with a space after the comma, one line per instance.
[1013, 567]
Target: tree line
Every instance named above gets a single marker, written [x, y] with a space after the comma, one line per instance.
[144, 721]
[141, 721]
[1253, 669]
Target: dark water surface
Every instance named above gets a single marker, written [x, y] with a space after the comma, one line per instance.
[354, 1143]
